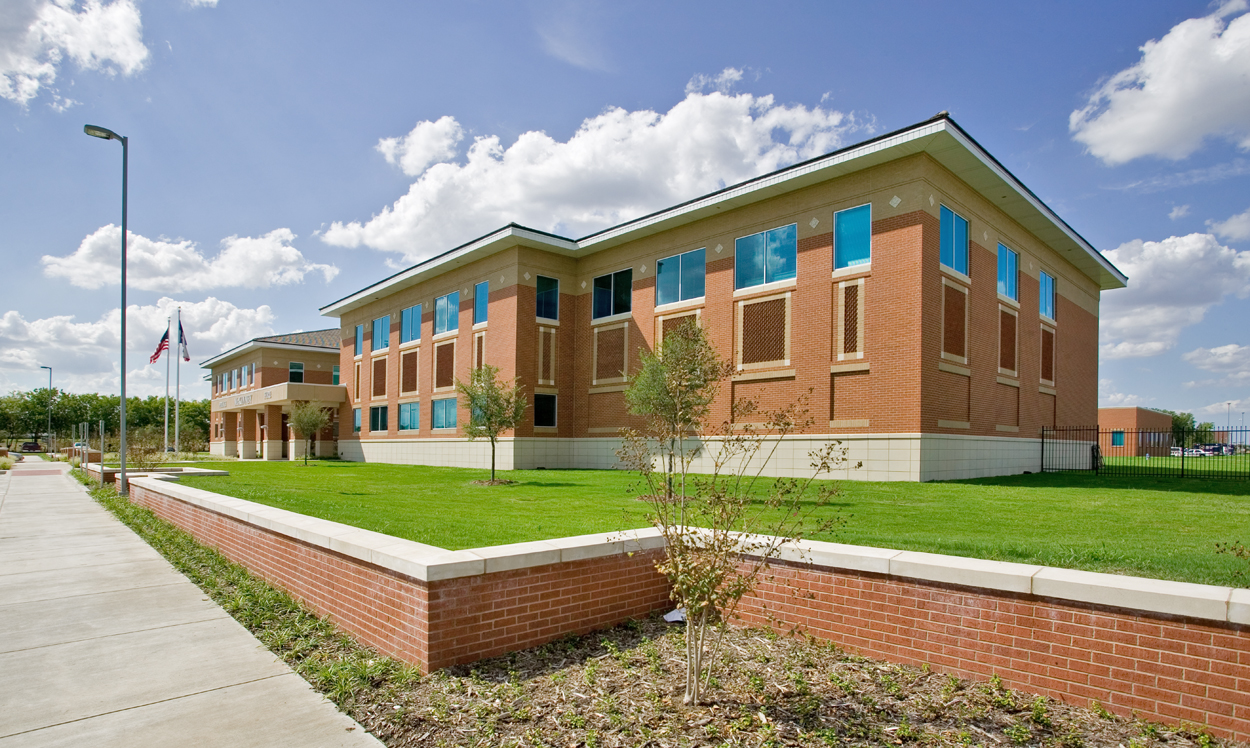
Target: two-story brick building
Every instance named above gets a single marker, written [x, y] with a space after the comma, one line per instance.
[938, 313]
[255, 384]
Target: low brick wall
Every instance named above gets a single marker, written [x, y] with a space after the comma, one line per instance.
[1166, 650]
[423, 604]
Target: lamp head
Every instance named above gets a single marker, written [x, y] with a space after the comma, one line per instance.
[49, 368]
[96, 131]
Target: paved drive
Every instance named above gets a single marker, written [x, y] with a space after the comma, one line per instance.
[103, 643]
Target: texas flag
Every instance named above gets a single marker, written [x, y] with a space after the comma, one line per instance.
[164, 346]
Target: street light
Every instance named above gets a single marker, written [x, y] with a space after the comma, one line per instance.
[107, 134]
[48, 437]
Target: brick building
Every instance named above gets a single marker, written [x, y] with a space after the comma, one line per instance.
[937, 311]
[1134, 432]
[255, 384]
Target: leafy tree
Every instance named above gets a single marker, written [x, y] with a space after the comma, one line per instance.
[721, 529]
[1182, 427]
[307, 419]
[494, 407]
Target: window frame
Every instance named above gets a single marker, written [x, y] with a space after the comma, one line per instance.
[374, 412]
[1009, 276]
[290, 370]
[355, 420]
[436, 406]
[1117, 435]
[539, 302]
[360, 340]
[450, 306]
[613, 293]
[481, 303]
[942, 239]
[682, 295]
[410, 325]
[1046, 293]
[381, 324]
[859, 264]
[740, 283]
[414, 420]
[334, 375]
[555, 409]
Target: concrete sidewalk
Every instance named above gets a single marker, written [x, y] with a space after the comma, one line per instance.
[103, 643]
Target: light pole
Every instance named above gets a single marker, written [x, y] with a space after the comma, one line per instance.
[107, 134]
[48, 436]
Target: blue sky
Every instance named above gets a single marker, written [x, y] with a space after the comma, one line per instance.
[331, 144]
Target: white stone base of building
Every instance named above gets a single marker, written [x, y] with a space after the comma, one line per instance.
[273, 449]
[247, 450]
[217, 449]
[325, 448]
[295, 449]
[884, 457]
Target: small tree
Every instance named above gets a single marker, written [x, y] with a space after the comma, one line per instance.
[720, 529]
[307, 418]
[494, 407]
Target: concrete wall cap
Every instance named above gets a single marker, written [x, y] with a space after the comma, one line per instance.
[517, 555]
[970, 572]
[1239, 607]
[840, 556]
[1156, 595]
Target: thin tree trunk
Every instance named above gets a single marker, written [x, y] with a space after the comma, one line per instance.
[492, 460]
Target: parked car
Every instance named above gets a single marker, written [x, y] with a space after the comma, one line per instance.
[1195, 452]
[31, 447]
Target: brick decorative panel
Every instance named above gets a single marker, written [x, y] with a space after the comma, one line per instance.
[850, 319]
[954, 321]
[610, 353]
[1048, 354]
[379, 377]
[1006, 405]
[852, 396]
[764, 331]
[408, 371]
[1047, 402]
[955, 390]
[1006, 340]
[445, 364]
[479, 350]
[546, 355]
[672, 323]
[607, 410]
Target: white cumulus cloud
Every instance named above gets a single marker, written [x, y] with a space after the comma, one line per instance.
[723, 82]
[428, 143]
[84, 355]
[36, 36]
[1172, 284]
[1234, 228]
[1109, 396]
[1178, 211]
[617, 166]
[1192, 84]
[168, 266]
[1232, 360]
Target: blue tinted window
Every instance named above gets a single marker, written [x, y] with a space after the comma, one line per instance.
[1046, 296]
[766, 257]
[852, 237]
[613, 294]
[381, 332]
[377, 418]
[410, 324]
[334, 375]
[355, 419]
[680, 278]
[1117, 438]
[954, 241]
[1008, 273]
[444, 416]
[481, 300]
[409, 416]
[360, 339]
[544, 410]
[447, 312]
[296, 372]
[548, 298]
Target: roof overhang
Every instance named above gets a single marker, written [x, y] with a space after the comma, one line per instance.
[254, 345]
[941, 138]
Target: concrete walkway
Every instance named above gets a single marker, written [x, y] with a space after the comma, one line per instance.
[103, 643]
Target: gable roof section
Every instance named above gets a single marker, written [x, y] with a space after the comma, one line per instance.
[940, 137]
[323, 341]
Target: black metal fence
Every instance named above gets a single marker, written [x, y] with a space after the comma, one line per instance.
[1217, 453]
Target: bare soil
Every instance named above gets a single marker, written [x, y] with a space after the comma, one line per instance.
[623, 687]
[496, 482]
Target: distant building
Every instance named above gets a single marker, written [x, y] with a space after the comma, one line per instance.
[255, 384]
[1134, 432]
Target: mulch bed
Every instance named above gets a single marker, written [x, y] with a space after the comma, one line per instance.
[623, 687]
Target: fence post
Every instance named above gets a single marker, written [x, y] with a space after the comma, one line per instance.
[1042, 469]
[1183, 450]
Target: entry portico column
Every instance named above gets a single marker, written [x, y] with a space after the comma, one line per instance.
[247, 446]
[273, 432]
[230, 425]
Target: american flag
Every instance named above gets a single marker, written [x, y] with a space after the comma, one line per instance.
[164, 346]
[182, 342]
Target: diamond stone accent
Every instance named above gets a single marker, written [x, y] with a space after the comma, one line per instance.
[814, 222]
[718, 248]
[527, 276]
[932, 202]
[894, 201]
[583, 284]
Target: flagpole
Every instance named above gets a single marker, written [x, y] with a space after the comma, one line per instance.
[167, 326]
[178, 384]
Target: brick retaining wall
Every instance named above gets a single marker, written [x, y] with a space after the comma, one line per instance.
[1168, 651]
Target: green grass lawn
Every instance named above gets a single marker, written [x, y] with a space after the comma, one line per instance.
[1224, 465]
[1164, 528]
